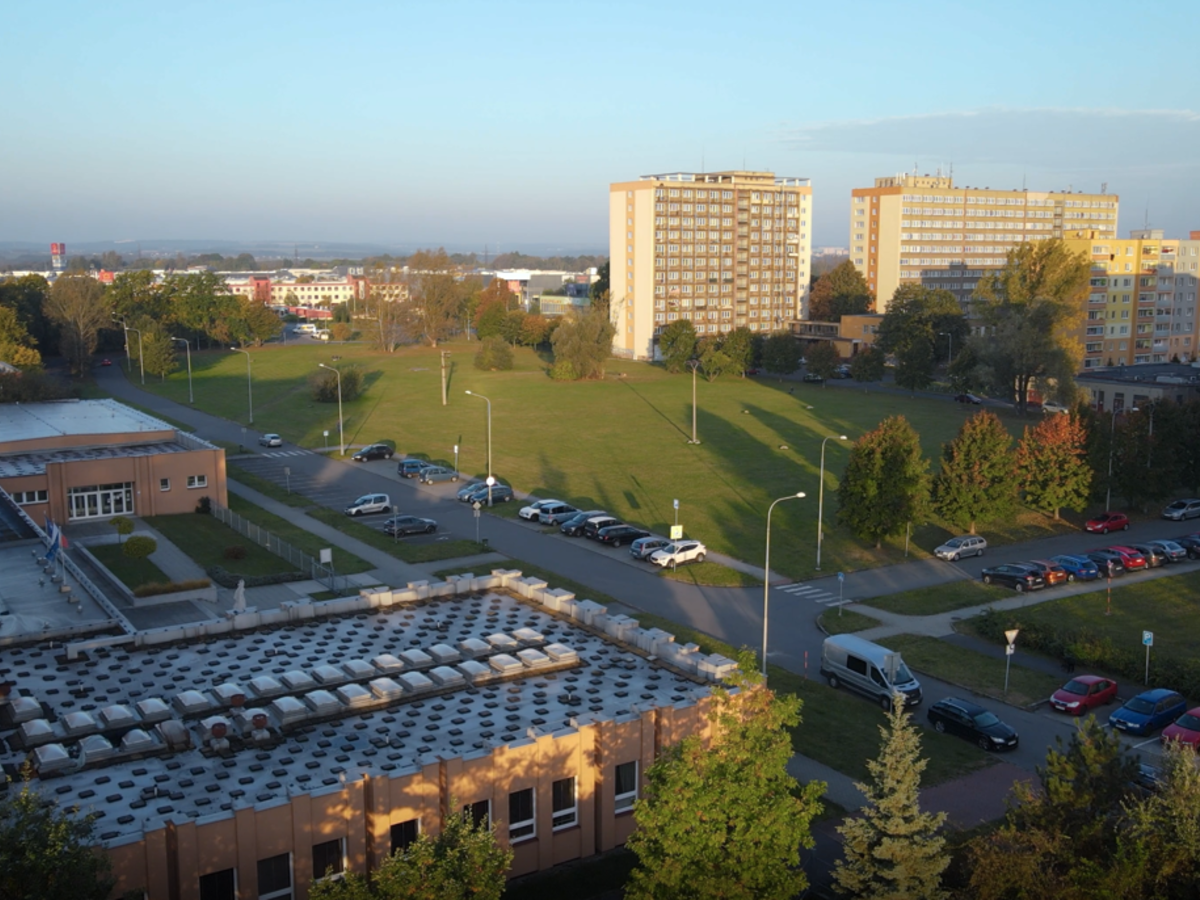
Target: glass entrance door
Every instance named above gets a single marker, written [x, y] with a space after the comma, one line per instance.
[99, 501]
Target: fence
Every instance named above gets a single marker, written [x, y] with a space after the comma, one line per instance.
[313, 568]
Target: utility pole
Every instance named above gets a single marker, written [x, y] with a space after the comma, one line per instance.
[445, 370]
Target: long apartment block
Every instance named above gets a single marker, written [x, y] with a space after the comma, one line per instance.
[921, 229]
[723, 249]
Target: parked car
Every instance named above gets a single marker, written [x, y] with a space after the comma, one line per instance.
[579, 518]
[373, 451]
[973, 722]
[573, 527]
[438, 473]
[643, 547]
[1155, 555]
[592, 526]
[842, 371]
[1053, 406]
[620, 534]
[960, 547]
[532, 512]
[106, 362]
[967, 398]
[1131, 559]
[412, 468]
[871, 669]
[501, 493]
[679, 552]
[1185, 729]
[1190, 543]
[1109, 563]
[812, 378]
[1078, 568]
[556, 515]
[1106, 522]
[270, 440]
[1173, 551]
[1182, 509]
[468, 489]
[1052, 573]
[1019, 578]
[369, 504]
[1083, 693]
[402, 525]
[1149, 711]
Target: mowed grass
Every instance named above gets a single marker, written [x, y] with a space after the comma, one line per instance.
[265, 487]
[305, 541]
[845, 622]
[205, 540]
[940, 598]
[975, 671]
[710, 573]
[410, 553]
[133, 573]
[619, 444]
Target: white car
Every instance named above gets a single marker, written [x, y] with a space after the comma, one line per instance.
[533, 511]
[271, 440]
[1053, 406]
[959, 547]
[368, 504]
[678, 553]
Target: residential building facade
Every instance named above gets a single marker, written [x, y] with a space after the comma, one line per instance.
[922, 229]
[722, 249]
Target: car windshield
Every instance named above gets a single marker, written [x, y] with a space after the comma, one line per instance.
[1170, 545]
[1076, 687]
[1178, 504]
[954, 542]
[902, 676]
[1140, 705]
[1188, 721]
[985, 719]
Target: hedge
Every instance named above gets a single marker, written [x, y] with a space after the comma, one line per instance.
[231, 579]
[172, 587]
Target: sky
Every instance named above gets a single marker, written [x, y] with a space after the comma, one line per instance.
[501, 124]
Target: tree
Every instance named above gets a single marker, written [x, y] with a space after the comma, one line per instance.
[46, 853]
[1030, 309]
[535, 331]
[1165, 827]
[489, 321]
[386, 328]
[26, 296]
[463, 862]
[840, 292]
[135, 295]
[727, 820]
[496, 292]
[123, 525]
[919, 313]
[978, 480]
[599, 290]
[582, 343]
[158, 350]
[914, 365]
[78, 306]
[886, 483]
[891, 849]
[323, 384]
[512, 326]
[738, 345]
[677, 344]
[494, 355]
[16, 343]
[259, 321]
[1053, 466]
[714, 361]
[341, 331]
[780, 354]
[435, 296]
[869, 364]
[823, 359]
[204, 305]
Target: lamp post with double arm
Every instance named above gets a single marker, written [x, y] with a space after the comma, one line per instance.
[767, 576]
[249, 382]
[188, 346]
[821, 496]
[490, 480]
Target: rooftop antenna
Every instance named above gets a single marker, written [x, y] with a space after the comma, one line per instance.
[1146, 220]
[1024, 177]
[1104, 187]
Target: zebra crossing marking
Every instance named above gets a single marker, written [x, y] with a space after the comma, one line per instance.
[281, 453]
[809, 592]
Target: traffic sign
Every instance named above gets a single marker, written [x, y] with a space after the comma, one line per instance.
[676, 532]
[1148, 638]
[841, 576]
[1010, 649]
[477, 506]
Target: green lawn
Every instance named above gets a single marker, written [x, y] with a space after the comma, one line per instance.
[980, 673]
[410, 553]
[710, 573]
[845, 622]
[267, 488]
[940, 598]
[133, 573]
[205, 539]
[619, 444]
[347, 563]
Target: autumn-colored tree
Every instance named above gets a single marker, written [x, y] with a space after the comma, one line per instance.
[582, 343]
[435, 296]
[1053, 465]
[978, 480]
[842, 291]
[886, 483]
[535, 330]
[78, 306]
[17, 346]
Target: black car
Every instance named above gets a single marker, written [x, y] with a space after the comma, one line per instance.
[1018, 577]
[373, 451]
[591, 528]
[402, 525]
[812, 378]
[573, 527]
[1190, 543]
[967, 398]
[973, 722]
[620, 534]
[412, 468]
[1108, 562]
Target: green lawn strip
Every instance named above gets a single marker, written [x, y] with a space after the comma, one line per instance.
[267, 488]
[939, 598]
[410, 553]
[580, 880]
[205, 540]
[974, 671]
[845, 622]
[347, 563]
[710, 573]
[133, 573]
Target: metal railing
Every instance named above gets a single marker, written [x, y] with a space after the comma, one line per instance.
[312, 567]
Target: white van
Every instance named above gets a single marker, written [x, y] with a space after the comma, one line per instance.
[306, 328]
[368, 504]
[868, 668]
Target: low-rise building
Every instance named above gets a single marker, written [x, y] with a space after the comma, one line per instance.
[1124, 387]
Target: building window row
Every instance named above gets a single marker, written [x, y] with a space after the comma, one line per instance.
[24, 498]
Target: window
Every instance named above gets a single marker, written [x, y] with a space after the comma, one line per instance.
[275, 878]
[625, 787]
[23, 498]
[405, 834]
[328, 859]
[480, 813]
[219, 885]
[521, 825]
[197, 481]
[164, 484]
[564, 804]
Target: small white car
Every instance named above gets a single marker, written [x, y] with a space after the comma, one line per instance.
[533, 511]
[271, 440]
[678, 553]
[959, 547]
[368, 504]
[1053, 406]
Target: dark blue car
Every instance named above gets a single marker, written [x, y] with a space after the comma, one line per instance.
[1148, 712]
[1078, 568]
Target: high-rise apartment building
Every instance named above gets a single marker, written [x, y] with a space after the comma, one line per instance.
[922, 229]
[1142, 304]
[723, 249]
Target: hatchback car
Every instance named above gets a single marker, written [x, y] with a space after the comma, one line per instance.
[1078, 568]
[412, 468]
[1106, 522]
[592, 527]
[368, 504]
[1190, 543]
[402, 525]
[532, 512]
[501, 493]
[616, 535]
[1182, 509]
[643, 547]
[556, 515]
[1149, 711]
[432, 474]
[1131, 559]
[679, 552]
[973, 722]
[1052, 572]
[573, 527]
[967, 398]
[1054, 407]
[271, 440]
[1108, 562]
[812, 378]
[373, 451]
[1083, 693]
[1154, 555]
[960, 547]
[1172, 551]
[1185, 729]
[1019, 578]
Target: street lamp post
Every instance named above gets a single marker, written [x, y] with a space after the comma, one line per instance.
[694, 364]
[767, 576]
[128, 359]
[1009, 650]
[456, 459]
[141, 359]
[341, 434]
[1112, 442]
[821, 497]
[490, 480]
[249, 382]
[949, 335]
[188, 346]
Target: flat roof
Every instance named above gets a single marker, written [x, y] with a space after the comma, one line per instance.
[380, 692]
[59, 418]
[18, 464]
[1144, 373]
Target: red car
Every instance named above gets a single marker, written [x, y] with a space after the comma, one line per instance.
[106, 362]
[1083, 693]
[1185, 729]
[1106, 522]
[1130, 558]
[1052, 572]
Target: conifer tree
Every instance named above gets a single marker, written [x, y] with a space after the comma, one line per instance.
[1053, 465]
[891, 849]
[978, 479]
[886, 482]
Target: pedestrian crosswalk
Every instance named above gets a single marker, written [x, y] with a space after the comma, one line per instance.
[275, 454]
[809, 592]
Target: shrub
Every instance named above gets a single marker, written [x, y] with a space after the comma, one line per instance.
[494, 355]
[563, 370]
[204, 507]
[140, 546]
[229, 579]
[173, 587]
[237, 551]
[323, 384]
[123, 524]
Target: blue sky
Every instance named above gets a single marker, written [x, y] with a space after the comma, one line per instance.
[464, 123]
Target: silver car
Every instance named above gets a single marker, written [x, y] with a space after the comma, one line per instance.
[437, 473]
[959, 547]
[1182, 509]
[643, 547]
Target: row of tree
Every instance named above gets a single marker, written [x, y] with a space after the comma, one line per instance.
[732, 353]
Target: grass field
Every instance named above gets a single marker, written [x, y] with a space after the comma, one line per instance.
[133, 573]
[267, 488]
[939, 599]
[980, 673]
[619, 444]
[306, 541]
[849, 621]
[205, 539]
[710, 573]
[410, 553]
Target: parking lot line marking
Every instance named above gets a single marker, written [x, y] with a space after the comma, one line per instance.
[1145, 742]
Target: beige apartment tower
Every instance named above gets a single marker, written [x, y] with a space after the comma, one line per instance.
[723, 249]
[922, 229]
